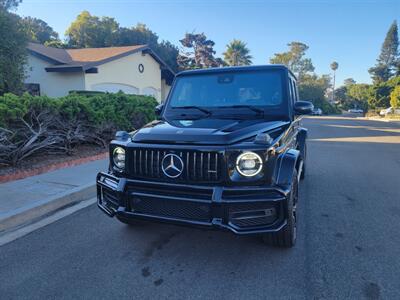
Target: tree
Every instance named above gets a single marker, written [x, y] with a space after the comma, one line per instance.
[294, 59]
[168, 53]
[388, 61]
[341, 94]
[91, 31]
[379, 93]
[197, 52]
[237, 54]
[38, 30]
[395, 97]
[349, 81]
[313, 88]
[140, 35]
[12, 53]
[137, 35]
[9, 4]
[334, 67]
[358, 95]
[56, 44]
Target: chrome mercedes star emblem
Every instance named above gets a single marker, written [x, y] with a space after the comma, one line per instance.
[172, 165]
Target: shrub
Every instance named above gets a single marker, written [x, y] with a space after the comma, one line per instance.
[395, 97]
[30, 124]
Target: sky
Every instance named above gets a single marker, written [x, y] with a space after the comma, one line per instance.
[350, 32]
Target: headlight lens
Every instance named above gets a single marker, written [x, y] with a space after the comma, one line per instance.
[249, 164]
[119, 157]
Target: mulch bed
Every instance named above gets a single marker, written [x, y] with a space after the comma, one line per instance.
[41, 163]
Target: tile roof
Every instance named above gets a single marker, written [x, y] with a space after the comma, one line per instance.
[99, 54]
[55, 54]
[84, 55]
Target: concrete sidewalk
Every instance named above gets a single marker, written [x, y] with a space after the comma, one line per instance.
[26, 200]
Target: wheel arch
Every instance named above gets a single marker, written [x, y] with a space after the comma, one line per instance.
[287, 163]
[301, 140]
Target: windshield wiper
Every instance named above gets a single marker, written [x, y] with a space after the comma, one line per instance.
[206, 111]
[253, 108]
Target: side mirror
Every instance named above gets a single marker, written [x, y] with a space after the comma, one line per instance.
[158, 109]
[303, 107]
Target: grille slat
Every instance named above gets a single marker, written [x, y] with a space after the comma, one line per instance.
[200, 166]
[140, 162]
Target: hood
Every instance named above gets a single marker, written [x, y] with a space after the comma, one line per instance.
[206, 131]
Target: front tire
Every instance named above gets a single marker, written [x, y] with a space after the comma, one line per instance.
[286, 237]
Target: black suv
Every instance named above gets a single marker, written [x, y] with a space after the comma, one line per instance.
[227, 151]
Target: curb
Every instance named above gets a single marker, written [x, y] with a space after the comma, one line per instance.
[52, 167]
[381, 120]
[17, 218]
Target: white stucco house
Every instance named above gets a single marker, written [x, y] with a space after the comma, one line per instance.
[132, 69]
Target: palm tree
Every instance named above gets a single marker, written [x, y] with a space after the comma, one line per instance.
[237, 54]
[334, 67]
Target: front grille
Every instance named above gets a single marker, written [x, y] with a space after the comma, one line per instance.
[168, 208]
[170, 191]
[199, 166]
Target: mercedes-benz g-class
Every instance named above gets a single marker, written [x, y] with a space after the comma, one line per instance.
[227, 152]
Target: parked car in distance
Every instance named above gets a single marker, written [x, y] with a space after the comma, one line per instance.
[317, 112]
[386, 111]
[356, 111]
[227, 152]
[389, 110]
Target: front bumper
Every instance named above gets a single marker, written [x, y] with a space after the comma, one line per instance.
[242, 210]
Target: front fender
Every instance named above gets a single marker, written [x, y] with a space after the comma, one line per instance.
[301, 140]
[287, 162]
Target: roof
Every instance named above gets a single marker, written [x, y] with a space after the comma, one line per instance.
[55, 55]
[87, 59]
[235, 69]
[99, 54]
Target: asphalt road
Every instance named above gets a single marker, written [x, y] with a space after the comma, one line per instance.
[348, 246]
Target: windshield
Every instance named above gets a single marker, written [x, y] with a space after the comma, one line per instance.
[257, 90]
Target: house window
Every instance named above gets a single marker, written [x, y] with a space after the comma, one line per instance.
[32, 88]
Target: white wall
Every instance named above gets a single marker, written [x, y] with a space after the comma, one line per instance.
[124, 71]
[52, 84]
[165, 88]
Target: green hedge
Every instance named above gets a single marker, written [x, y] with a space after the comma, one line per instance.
[29, 124]
[125, 112]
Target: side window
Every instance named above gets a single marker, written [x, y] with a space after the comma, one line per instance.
[295, 91]
[293, 84]
[291, 91]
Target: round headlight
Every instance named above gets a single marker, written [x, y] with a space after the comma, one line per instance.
[249, 164]
[119, 157]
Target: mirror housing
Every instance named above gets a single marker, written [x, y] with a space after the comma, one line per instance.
[303, 107]
[158, 110]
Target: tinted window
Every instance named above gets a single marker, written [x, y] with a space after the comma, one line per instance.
[228, 89]
[294, 92]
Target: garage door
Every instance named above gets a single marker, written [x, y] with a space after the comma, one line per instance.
[115, 88]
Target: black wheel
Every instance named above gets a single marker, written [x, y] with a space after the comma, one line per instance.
[287, 236]
[303, 170]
